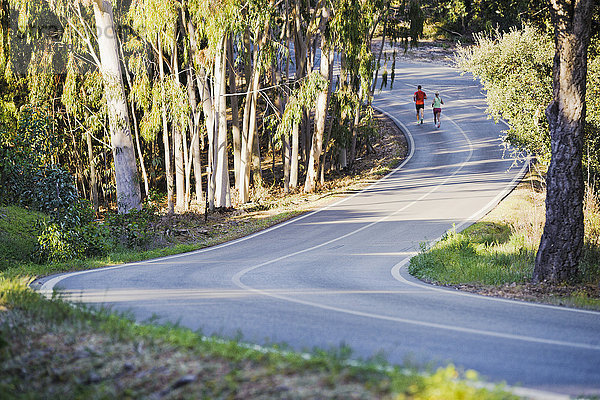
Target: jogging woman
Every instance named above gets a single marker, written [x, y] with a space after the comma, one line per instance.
[437, 109]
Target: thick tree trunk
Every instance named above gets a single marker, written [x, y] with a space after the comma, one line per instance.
[295, 154]
[207, 109]
[249, 123]
[562, 241]
[136, 130]
[179, 148]
[195, 140]
[127, 181]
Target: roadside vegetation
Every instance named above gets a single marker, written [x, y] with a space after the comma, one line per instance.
[51, 349]
[495, 256]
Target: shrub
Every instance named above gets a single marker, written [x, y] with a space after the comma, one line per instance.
[134, 229]
[72, 233]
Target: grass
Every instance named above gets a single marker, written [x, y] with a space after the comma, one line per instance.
[496, 255]
[15, 267]
[51, 349]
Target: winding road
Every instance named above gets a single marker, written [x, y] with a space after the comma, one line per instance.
[337, 275]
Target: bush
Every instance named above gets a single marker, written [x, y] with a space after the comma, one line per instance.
[18, 234]
[134, 229]
[72, 233]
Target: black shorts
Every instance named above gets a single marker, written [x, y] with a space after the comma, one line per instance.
[420, 107]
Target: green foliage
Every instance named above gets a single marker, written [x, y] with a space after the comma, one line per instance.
[72, 233]
[516, 71]
[467, 17]
[133, 230]
[26, 153]
[18, 234]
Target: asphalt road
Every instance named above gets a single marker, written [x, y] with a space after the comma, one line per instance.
[337, 276]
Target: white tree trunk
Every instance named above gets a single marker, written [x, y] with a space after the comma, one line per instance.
[207, 109]
[235, 119]
[221, 162]
[320, 113]
[166, 144]
[179, 149]
[127, 181]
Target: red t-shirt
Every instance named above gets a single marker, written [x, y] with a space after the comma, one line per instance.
[420, 97]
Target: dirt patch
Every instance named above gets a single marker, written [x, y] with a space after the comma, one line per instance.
[539, 293]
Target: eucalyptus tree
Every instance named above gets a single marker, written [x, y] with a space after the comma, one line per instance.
[102, 49]
[322, 101]
[155, 21]
[215, 21]
[127, 181]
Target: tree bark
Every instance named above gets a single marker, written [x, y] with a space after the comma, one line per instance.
[562, 241]
[235, 117]
[179, 148]
[322, 104]
[295, 154]
[221, 163]
[127, 181]
[165, 127]
[249, 123]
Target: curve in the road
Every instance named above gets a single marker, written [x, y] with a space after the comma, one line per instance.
[337, 275]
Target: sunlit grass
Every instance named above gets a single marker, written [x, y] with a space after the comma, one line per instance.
[73, 352]
[501, 248]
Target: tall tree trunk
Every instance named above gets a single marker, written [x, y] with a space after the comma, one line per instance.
[209, 117]
[249, 123]
[205, 99]
[136, 130]
[562, 241]
[221, 163]
[235, 117]
[322, 104]
[179, 147]
[166, 144]
[127, 182]
[195, 142]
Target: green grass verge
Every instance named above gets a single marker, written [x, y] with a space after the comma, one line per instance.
[11, 267]
[50, 349]
[499, 253]
[485, 253]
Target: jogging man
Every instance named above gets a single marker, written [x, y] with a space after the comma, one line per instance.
[419, 99]
[437, 109]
